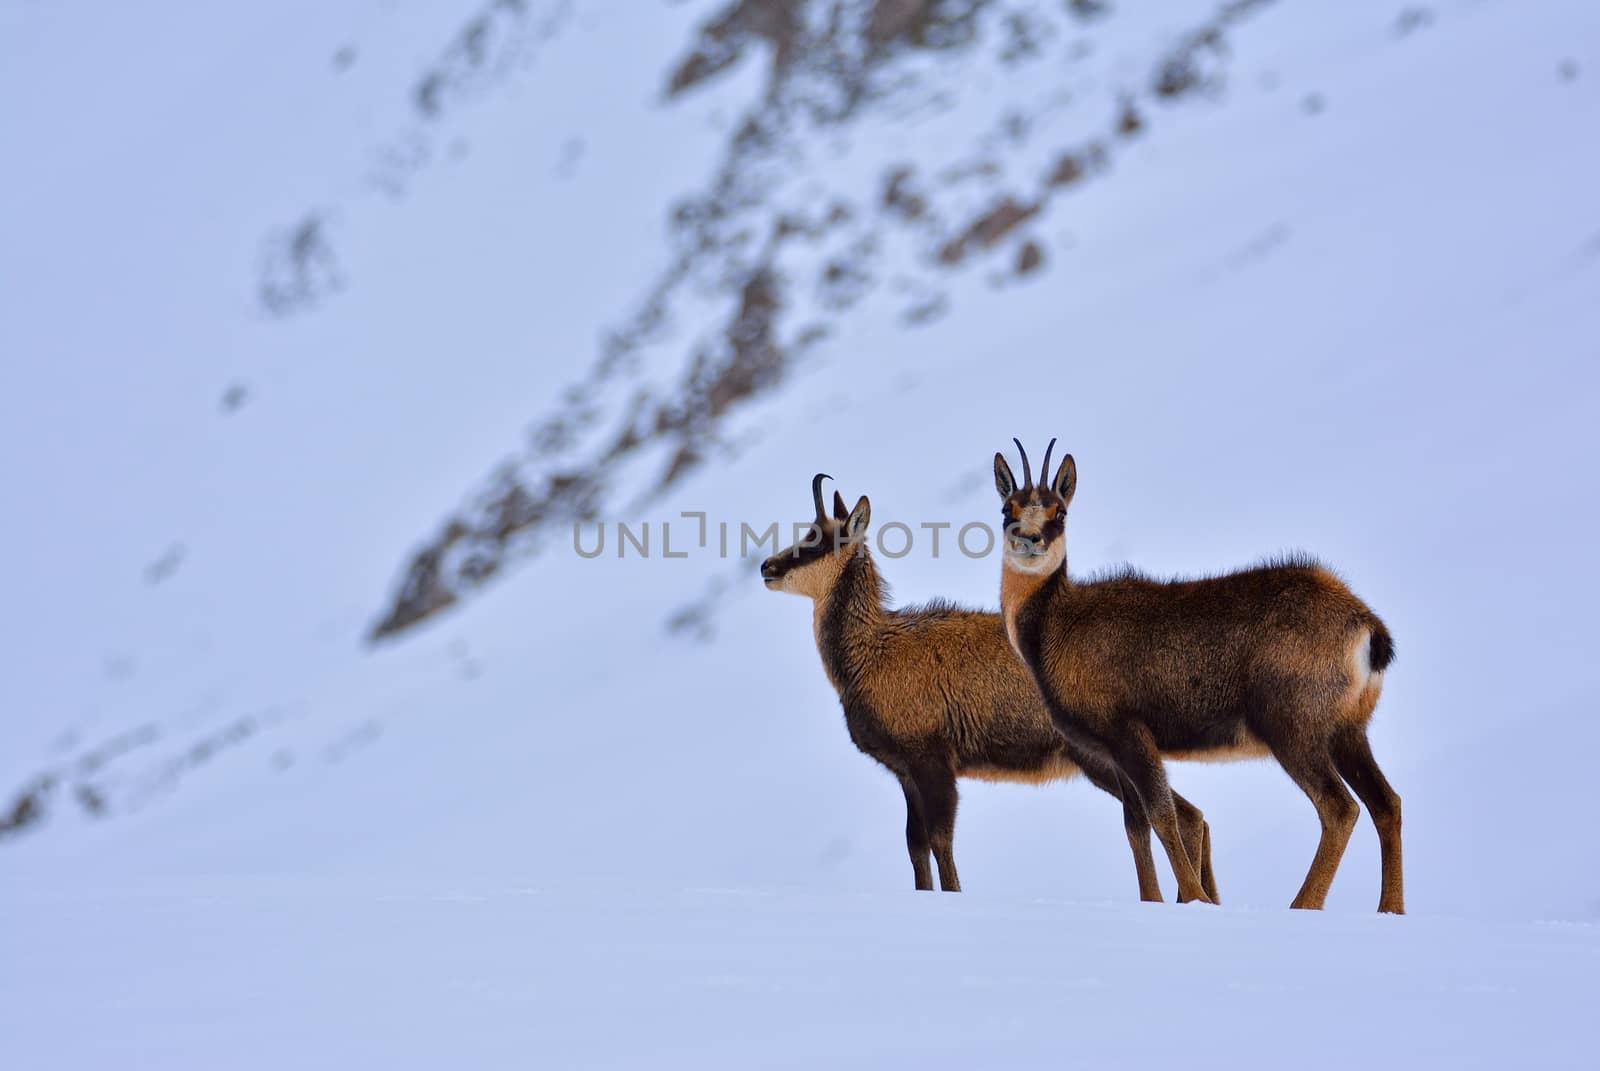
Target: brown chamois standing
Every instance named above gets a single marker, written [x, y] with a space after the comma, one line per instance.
[935, 693]
[1281, 659]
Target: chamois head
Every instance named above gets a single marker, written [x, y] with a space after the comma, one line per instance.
[1035, 518]
[811, 566]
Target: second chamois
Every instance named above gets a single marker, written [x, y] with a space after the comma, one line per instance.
[1282, 660]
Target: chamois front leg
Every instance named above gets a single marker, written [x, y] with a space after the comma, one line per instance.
[1197, 843]
[1136, 822]
[1140, 761]
[916, 835]
[1103, 774]
[937, 788]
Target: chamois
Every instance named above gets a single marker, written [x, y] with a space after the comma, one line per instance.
[1280, 659]
[935, 693]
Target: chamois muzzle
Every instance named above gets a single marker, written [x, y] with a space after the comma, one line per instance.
[1025, 544]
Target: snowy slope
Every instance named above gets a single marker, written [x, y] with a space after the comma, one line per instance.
[1344, 301]
[488, 976]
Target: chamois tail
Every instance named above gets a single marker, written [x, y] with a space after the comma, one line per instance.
[1380, 646]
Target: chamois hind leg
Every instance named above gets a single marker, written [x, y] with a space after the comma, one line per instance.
[1197, 843]
[937, 788]
[1135, 752]
[1352, 755]
[916, 835]
[1308, 762]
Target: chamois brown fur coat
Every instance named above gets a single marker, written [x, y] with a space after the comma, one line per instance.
[1281, 659]
[935, 693]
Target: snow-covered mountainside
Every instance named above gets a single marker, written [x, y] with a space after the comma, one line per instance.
[326, 974]
[323, 322]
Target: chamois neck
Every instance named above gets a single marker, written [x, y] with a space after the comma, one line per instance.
[1017, 586]
[847, 616]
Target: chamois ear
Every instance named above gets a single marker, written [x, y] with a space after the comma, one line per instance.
[856, 526]
[841, 512]
[1066, 481]
[1004, 482]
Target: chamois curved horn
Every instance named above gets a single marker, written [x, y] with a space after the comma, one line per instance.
[1027, 473]
[816, 494]
[1044, 470]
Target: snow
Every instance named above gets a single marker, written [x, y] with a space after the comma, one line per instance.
[542, 829]
[465, 973]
